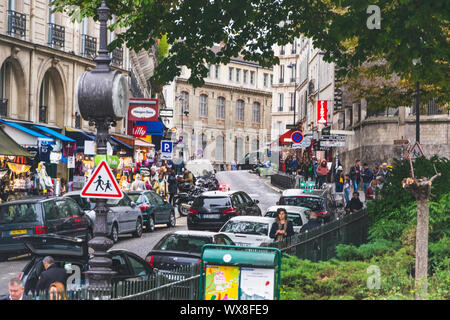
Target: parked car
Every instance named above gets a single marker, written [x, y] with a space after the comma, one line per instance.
[182, 248]
[40, 215]
[69, 252]
[249, 231]
[298, 215]
[154, 209]
[124, 215]
[212, 209]
[315, 202]
[84, 203]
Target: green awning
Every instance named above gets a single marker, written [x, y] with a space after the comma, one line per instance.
[8, 147]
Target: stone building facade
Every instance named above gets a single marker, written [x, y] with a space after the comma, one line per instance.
[228, 117]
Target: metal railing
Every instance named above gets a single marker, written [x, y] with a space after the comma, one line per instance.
[3, 107]
[283, 181]
[178, 284]
[89, 46]
[117, 57]
[320, 244]
[17, 23]
[56, 35]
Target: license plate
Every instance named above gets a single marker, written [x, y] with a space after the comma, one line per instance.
[16, 232]
[210, 216]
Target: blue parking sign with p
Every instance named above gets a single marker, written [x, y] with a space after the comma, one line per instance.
[166, 146]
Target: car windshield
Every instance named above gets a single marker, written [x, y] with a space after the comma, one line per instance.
[182, 243]
[246, 227]
[17, 213]
[294, 217]
[308, 202]
[213, 202]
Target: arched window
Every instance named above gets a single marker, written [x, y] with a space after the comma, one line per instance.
[203, 106]
[220, 108]
[240, 110]
[256, 112]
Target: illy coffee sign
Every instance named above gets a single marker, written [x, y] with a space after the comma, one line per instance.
[140, 131]
[143, 109]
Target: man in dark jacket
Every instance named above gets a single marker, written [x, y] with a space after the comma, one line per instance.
[367, 176]
[51, 274]
[173, 186]
[313, 223]
[355, 174]
[16, 290]
[354, 204]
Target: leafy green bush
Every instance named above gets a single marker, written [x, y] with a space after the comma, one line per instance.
[366, 251]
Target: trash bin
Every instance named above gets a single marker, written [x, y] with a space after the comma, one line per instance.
[239, 273]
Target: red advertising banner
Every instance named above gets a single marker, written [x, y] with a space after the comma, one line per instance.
[140, 131]
[143, 109]
[322, 112]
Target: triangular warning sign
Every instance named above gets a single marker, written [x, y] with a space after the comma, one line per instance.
[102, 184]
[415, 152]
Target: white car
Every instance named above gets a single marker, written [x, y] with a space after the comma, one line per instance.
[248, 230]
[298, 215]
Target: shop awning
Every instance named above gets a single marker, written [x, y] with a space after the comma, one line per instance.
[8, 147]
[79, 136]
[54, 133]
[121, 143]
[29, 132]
[143, 143]
[154, 128]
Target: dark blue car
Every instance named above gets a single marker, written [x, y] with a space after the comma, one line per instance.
[154, 209]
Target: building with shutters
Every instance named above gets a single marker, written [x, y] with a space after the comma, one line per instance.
[228, 117]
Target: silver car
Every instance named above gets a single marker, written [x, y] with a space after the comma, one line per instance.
[124, 216]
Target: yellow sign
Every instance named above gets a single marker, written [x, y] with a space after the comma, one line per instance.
[221, 283]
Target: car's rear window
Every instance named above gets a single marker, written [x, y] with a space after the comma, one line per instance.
[308, 202]
[211, 202]
[18, 213]
[246, 227]
[182, 243]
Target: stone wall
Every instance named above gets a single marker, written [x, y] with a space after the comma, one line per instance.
[374, 139]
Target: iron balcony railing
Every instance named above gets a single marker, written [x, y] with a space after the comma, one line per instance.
[56, 35]
[3, 107]
[89, 46]
[117, 57]
[17, 23]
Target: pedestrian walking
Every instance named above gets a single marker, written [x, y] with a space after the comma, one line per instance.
[370, 192]
[339, 179]
[138, 184]
[57, 291]
[355, 204]
[123, 183]
[376, 170]
[312, 223]
[16, 290]
[52, 273]
[314, 170]
[173, 186]
[367, 176]
[322, 172]
[283, 227]
[355, 175]
[161, 187]
[189, 177]
[347, 187]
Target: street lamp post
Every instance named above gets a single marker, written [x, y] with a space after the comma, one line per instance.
[103, 100]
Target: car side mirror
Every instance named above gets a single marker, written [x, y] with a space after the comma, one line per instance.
[256, 201]
[278, 203]
[133, 204]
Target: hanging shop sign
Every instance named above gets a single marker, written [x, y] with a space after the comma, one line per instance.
[322, 112]
[332, 143]
[140, 131]
[71, 162]
[143, 109]
[113, 161]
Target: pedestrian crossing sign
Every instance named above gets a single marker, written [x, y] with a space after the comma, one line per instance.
[102, 184]
[415, 152]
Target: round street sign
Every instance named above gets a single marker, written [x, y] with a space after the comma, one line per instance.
[297, 137]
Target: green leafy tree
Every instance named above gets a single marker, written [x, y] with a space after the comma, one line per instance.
[414, 48]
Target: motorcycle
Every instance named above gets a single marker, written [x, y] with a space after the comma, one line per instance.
[187, 197]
